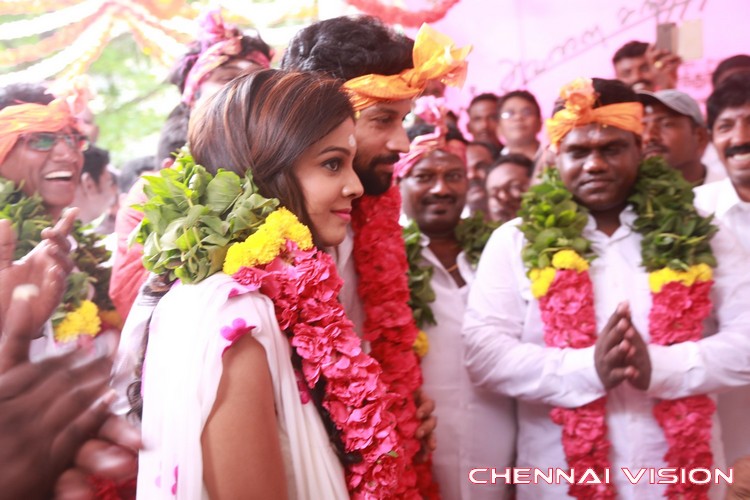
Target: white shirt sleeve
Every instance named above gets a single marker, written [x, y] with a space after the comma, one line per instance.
[720, 361]
[502, 335]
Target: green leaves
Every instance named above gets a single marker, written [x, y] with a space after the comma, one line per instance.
[420, 277]
[473, 233]
[674, 234]
[552, 221]
[191, 218]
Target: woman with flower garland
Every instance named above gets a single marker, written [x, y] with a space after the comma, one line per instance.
[611, 310]
[265, 392]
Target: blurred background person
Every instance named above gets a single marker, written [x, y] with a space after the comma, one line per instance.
[507, 180]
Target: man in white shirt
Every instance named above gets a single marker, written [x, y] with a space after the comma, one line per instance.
[476, 428]
[729, 200]
[506, 346]
[378, 66]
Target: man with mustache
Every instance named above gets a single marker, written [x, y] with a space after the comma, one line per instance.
[434, 185]
[729, 200]
[673, 127]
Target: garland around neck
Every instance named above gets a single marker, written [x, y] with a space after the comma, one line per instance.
[472, 234]
[197, 224]
[85, 307]
[676, 252]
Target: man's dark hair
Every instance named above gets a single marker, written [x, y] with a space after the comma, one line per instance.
[494, 150]
[349, 47]
[517, 159]
[453, 133]
[17, 93]
[731, 93]
[629, 50]
[173, 134]
[486, 96]
[131, 170]
[521, 94]
[95, 161]
[738, 62]
[608, 92]
[251, 42]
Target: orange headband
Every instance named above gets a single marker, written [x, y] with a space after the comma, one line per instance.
[434, 57]
[579, 96]
[30, 117]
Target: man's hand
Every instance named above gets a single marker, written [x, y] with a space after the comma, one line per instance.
[44, 269]
[47, 409]
[426, 430]
[609, 352]
[664, 65]
[638, 371]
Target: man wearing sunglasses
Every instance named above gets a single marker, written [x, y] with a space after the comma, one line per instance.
[41, 150]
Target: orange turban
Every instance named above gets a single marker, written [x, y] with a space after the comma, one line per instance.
[579, 97]
[31, 117]
[434, 57]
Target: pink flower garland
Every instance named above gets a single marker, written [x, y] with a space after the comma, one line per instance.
[677, 315]
[569, 318]
[304, 288]
[380, 260]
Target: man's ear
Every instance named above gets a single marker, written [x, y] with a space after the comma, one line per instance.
[88, 184]
[702, 136]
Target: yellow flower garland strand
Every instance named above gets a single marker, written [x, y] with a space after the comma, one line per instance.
[268, 241]
[82, 321]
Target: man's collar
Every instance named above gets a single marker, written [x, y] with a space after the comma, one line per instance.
[727, 199]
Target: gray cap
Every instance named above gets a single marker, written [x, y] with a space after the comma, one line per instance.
[675, 100]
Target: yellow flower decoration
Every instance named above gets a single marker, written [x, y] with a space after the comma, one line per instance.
[421, 344]
[579, 95]
[83, 321]
[541, 279]
[699, 272]
[569, 259]
[268, 241]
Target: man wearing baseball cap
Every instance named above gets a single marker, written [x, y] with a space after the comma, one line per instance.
[673, 127]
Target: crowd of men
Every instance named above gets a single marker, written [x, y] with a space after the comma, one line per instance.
[488, 370]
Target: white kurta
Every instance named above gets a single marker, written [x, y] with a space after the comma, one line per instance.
[190, 330]
[475, 428]
[505, 352]
[734, 406]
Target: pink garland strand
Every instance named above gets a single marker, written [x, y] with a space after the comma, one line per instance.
[380, 260]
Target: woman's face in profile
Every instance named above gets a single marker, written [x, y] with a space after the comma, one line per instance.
[329, 184]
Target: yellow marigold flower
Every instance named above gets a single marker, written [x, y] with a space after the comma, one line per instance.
[541, 279]
[233, 259]
[569, 259]
[421, 344]
[268, 241]
[703, 272]
[699, 272]
[83, 321]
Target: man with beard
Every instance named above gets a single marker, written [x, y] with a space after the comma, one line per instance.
[729, 201]
[476, 427]
[383, 71]
[673, 127]
[641, 66]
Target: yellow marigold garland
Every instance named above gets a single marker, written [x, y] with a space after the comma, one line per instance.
[422, 344]
[267, 242]
[82, 321]
[699, 272]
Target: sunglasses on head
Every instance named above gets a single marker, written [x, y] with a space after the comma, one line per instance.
[45, 141]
